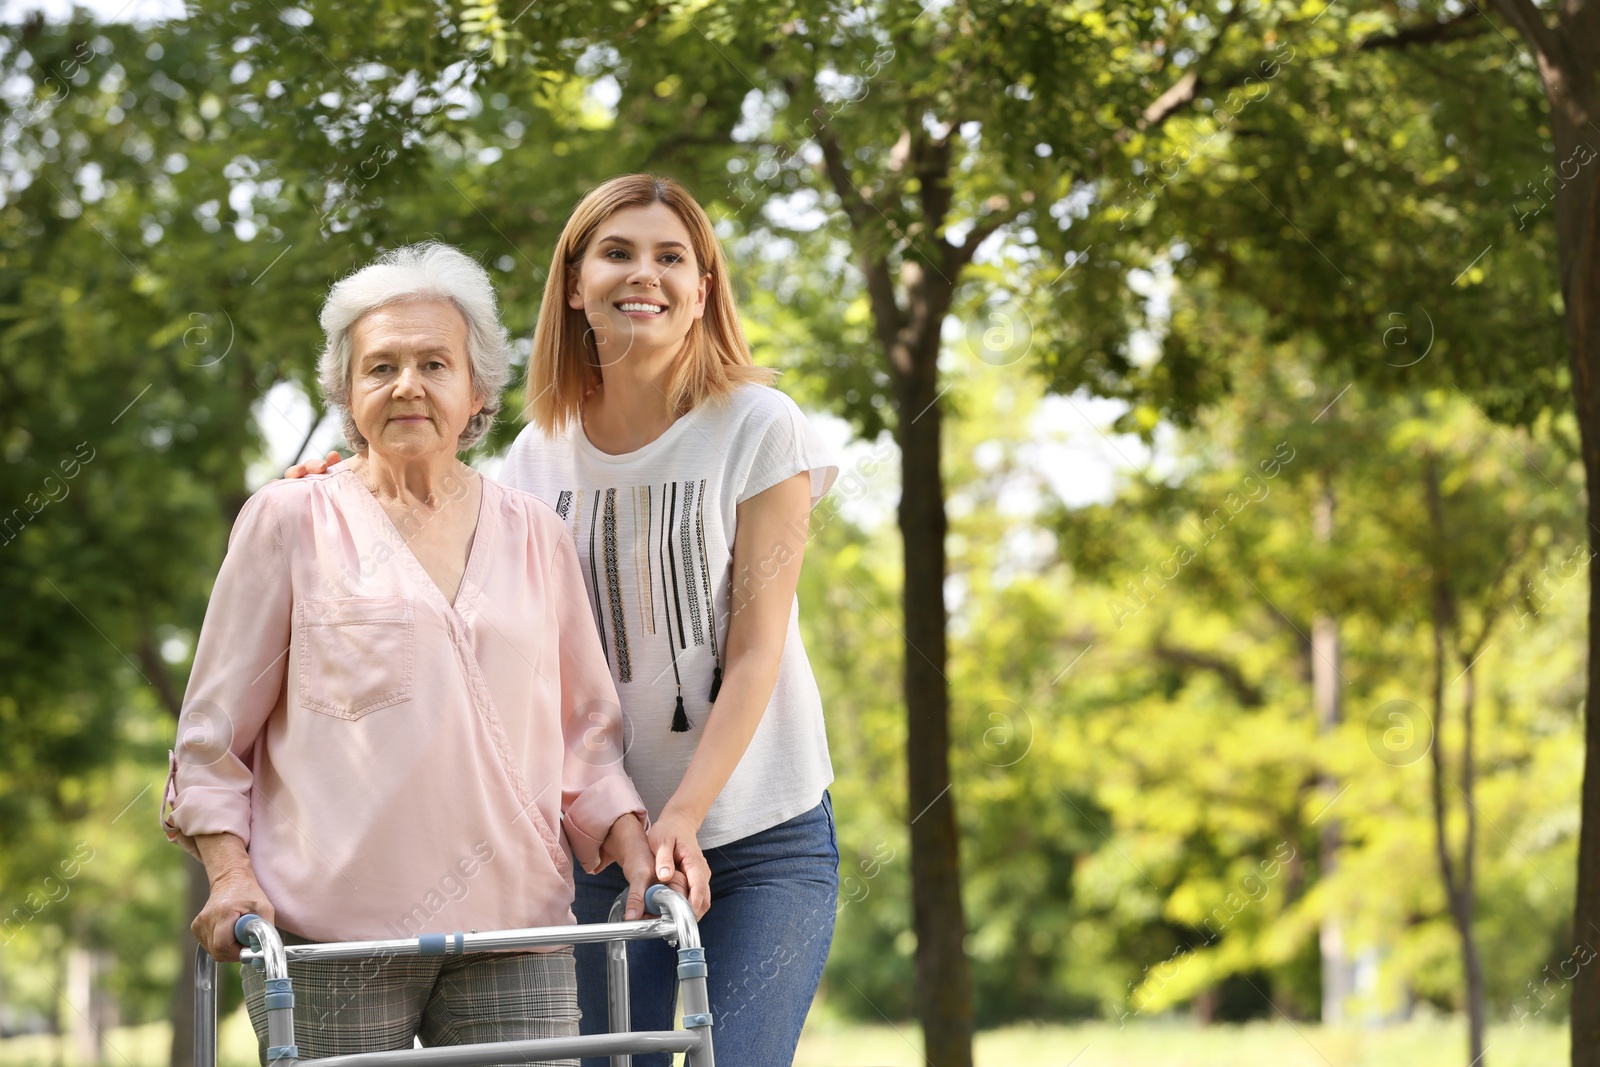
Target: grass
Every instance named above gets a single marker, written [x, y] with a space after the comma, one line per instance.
[1421, 1043]
[1180, 1044]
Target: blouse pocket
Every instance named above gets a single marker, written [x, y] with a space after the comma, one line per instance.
[356, 654]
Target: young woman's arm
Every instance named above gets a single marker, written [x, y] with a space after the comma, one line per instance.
[768, 547]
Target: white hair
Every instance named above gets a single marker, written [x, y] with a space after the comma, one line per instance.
[431, 270]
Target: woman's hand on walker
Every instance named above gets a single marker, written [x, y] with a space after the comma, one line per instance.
[233, 893]
[313, 466]
[678, 859]
[626, 847]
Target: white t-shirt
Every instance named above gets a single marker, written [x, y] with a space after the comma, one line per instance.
[654, 530]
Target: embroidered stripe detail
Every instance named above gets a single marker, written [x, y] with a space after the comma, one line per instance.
[666, 533]
[663, 550]
[689, 576]
[594, 581]
[645, 590]
[705, 569]
[619, 624]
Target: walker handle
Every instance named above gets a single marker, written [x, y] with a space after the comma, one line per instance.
[241, 927]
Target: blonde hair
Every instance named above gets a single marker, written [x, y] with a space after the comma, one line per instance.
[565, 365]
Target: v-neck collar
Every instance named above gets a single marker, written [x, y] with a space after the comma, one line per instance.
[477, 553]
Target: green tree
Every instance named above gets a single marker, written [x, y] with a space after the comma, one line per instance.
[1344, 198]
[1208, 588]
[900, 140]
[1566, 53]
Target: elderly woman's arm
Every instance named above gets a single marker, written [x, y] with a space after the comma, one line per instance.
[240, 663]
[602, 814]
[234, 892]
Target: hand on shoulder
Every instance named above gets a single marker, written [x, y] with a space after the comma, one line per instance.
[313, 466]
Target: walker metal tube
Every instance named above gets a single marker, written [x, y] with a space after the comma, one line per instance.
[205, 1009]
[458, 943]
[518, 1051]
[676, 925]
[621, 1011]
[693, 996]
[281, 1050]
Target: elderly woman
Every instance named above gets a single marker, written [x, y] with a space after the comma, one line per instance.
[398, 696]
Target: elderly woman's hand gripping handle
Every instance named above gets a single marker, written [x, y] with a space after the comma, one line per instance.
[234, 892]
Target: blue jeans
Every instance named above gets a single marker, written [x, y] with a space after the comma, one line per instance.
[773, 899]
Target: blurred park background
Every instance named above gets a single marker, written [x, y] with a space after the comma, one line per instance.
[1216, 693]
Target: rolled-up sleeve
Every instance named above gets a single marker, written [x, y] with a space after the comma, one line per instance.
[595, 788]
[240, 664]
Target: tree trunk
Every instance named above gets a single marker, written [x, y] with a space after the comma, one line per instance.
[1586, 910]
[1578, 242]
[1469, 851]
[1325, 695]
[85, 1038]
[1568, 60]
[198, 890]
[908, 337]
[1578, 230]
[1457, 886]
[944, 982]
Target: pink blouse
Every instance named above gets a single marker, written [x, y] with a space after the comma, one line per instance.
[394, 762]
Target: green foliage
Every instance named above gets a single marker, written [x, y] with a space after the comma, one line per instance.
[1369, 202]
[1141, 823]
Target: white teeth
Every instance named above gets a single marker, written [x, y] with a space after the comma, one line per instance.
[656, 309]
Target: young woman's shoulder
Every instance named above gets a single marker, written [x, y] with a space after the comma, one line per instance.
[756, 406]
[532, 457]
[531, 440]
[753, 396]
[771, 439]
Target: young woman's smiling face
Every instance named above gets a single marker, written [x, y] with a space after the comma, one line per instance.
[639, 284]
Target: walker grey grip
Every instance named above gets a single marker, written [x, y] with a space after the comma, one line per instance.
[241, 927]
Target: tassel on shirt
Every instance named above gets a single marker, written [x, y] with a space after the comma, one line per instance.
[716, 684]
[680, 719]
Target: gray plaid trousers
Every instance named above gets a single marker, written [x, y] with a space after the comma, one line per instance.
[379, 1004]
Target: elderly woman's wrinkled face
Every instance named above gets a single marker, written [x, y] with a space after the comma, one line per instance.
[411, 378]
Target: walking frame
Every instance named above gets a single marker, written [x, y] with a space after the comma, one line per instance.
[676, 925]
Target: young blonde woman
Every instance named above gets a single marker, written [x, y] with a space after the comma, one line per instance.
[686, 482]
